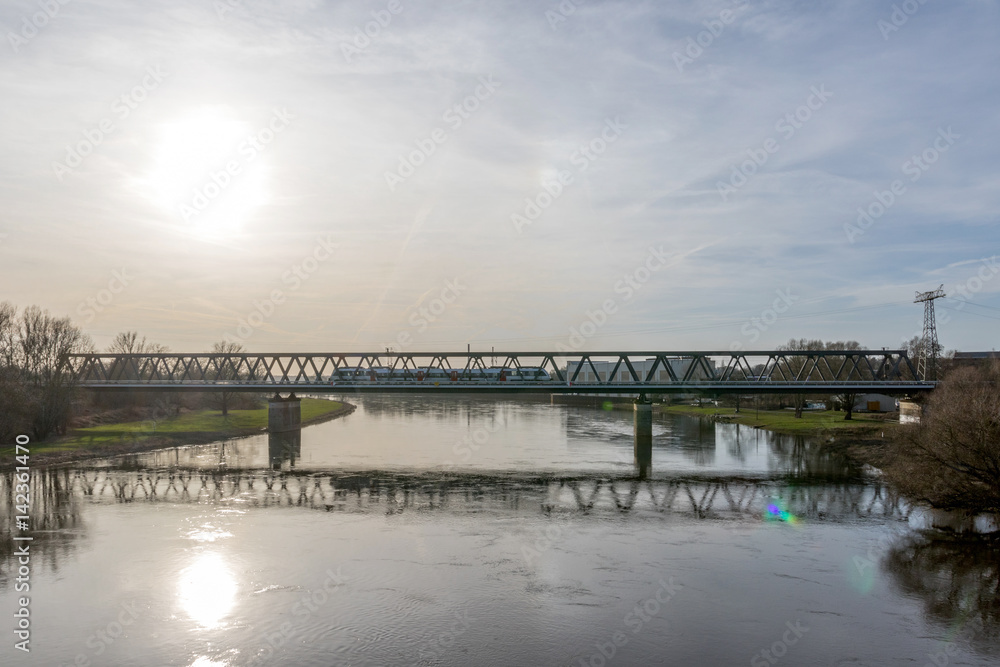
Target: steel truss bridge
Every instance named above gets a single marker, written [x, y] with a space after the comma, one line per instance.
[773, 371]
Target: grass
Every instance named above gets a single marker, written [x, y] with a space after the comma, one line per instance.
[784, 421]
[195, 426]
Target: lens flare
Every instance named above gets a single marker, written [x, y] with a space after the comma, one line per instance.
[775, 513]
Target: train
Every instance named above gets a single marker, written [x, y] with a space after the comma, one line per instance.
[356, 374]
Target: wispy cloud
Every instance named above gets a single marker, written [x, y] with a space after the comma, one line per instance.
[688, 129]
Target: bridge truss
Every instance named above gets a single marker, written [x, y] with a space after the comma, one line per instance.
[775, 371]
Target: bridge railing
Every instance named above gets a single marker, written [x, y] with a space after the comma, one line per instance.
[760, 370]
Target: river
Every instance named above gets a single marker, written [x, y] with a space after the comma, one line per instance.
[429, 531]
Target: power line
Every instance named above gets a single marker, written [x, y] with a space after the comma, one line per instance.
[972, 303]
[720, 325]
[968, 312]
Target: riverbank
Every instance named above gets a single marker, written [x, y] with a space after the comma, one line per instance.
[863, 426]
[190, 428]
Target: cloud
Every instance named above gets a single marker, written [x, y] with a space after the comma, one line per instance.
[356, 117]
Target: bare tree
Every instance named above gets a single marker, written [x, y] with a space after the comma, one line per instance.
[8, 334]
[33, 349]
[227, 371]
[834, 367]
[915, 348]
[797, 364]
[954, 578]
[15, 403]
[845, 371]
[951, 459]
[129, 342]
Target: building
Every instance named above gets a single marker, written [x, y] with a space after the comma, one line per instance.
[875, 403]
[975, 356]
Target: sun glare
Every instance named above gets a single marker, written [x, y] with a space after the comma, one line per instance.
[207, 590]
[207, 172]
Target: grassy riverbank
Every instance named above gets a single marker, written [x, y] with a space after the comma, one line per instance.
[196, 427]
[813, 422]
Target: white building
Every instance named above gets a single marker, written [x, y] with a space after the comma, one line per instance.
[876, 403]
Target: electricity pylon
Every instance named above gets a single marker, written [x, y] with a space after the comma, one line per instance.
[927, 363]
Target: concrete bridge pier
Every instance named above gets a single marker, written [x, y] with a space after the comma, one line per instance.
[284, 414]
[643, 410]
[284, 431]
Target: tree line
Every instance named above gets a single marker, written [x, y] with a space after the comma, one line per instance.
[38, 393]
[35, 391]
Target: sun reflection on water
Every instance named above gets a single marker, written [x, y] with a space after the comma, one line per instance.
[207, 590]
[205, 661]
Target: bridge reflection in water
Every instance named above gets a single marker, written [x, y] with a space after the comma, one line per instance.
[956, 578]
[284, 448]
[720, 498]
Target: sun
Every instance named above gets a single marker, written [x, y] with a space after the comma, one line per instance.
[206, 172]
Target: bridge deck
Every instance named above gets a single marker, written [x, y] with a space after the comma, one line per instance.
[774, 371]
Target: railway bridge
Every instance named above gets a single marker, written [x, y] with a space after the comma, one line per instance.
[642, 374]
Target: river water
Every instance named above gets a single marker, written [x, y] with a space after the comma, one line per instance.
[422, 531]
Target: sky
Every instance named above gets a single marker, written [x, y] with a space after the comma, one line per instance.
[311, 176]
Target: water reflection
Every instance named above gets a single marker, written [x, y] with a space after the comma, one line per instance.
[484, 436]
[54, 521]
[284, 448]
[207, 589]
[199, 538]
[958, 579]
[701, 497]
[406, 406]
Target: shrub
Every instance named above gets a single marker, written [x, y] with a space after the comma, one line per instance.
[951, 459]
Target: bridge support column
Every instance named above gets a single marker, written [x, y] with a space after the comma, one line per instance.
[643, 436]
[284, 414]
